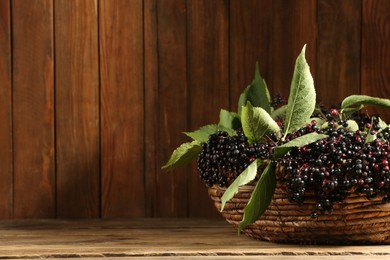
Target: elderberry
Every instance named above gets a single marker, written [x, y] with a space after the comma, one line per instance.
[224, 157]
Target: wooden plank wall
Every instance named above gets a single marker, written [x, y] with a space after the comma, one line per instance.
[94, 94]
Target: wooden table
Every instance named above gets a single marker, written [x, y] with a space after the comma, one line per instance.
[155, 239]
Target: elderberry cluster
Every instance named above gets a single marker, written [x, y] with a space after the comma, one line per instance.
[365, 121]
[224, 157]
[338, 165]
[330, 169]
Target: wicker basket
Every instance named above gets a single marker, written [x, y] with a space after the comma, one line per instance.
[355, 221]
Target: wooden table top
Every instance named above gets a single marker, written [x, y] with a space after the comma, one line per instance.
[155, 239]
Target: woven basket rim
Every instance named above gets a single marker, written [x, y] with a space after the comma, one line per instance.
[357, 220]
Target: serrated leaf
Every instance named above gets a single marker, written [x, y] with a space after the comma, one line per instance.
[244, 178]
[184, 154]
[257, 93]
[348, 111]
[261, 197]
[229, 119]
[370, 138]
[357, 100]
[279, 112]
[265, 97]
[352, 126]
[242, 100]
[256, 122]
[302, 98]
[203, 133]
[382, 123]
[297, 142]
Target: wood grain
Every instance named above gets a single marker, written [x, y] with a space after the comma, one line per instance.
[171, 188]
[376, 52]
[122, 108]
[130, 76]
[155, 238]
[77, 108]
[338, 50]
[208, 57]
[294, 24]
[250, 33]
[33, 109]
[6, 196]
[152, 167]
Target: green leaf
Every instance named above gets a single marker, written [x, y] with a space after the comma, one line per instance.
[348, 111]
[302, 98]
[261, 197]
[382, 123]
[352, 126]
[203, 133]
[279, 112]
[370, 138]
[265, 97]
[184, 154]
[357, 100]
[297, 142]
[242, 100]
[257, 93]
[256, 122]
[229, 119]
[244, 178]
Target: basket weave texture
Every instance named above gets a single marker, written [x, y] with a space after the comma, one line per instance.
[357, 220]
